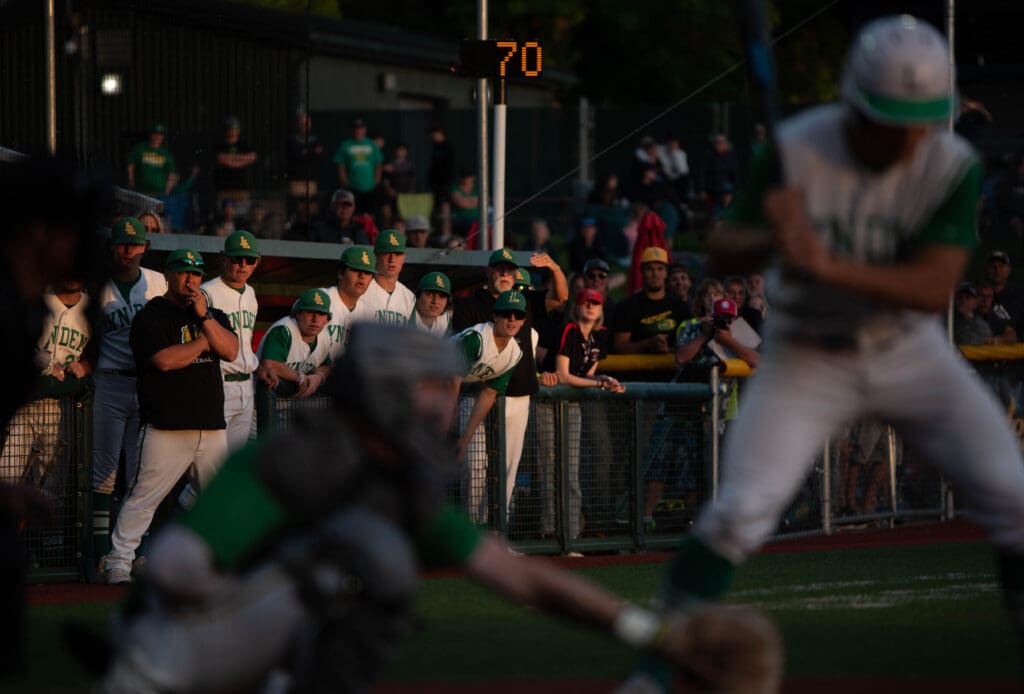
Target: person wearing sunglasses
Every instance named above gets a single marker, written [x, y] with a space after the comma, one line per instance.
[231, 293]
[178, 342]
[595, 277]
[491, 353]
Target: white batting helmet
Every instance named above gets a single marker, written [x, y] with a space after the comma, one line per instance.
[898, 72]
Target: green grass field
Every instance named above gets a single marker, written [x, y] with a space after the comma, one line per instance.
[925, 611]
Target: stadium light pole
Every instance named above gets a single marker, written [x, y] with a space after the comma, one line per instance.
[481, 113]
[498, 191]
[51, 78]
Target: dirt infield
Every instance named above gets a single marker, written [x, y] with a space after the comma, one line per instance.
[952, 531]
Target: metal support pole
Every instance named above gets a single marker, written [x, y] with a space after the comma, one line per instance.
[893, 505]
[562, 468]
[51, 78]
[639, 453]
[716, 403]
[482, 139]
[826, 487]
[500, 486]
[498, 164]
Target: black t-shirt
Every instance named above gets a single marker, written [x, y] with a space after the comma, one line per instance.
[642, 317]
[229, 178]
[479, 308]
[188, 398]
[304, 154]
[583, 352]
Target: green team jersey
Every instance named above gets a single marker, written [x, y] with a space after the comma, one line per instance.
[153, 166]
[237, 514]
[360, 159]
[874, 217]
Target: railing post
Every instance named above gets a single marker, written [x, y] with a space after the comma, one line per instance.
[716, 404]
[639, 451]
[826, 487]
[499, 502]
[890, 436]
[562, 470]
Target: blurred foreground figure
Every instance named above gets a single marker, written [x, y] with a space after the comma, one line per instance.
[298, 566]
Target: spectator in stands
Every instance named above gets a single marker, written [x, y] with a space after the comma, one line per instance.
[399, 174]
[1003, 332]
[233, 167]
[607, 192]
[1009, 203]
[709, 291]
[417, 231]
[737, 290]
[151, 222]
[863, 453]
[151, 167]
[433, 301]
[305, 153]
[706, 338]
[227, 220]
[678, 283]
[440, 176]
[539, 240]
[646, 322]
[464, 202]
[585, 245]
[969, 328]
[759, 139]
[719, 174]
[675, 166]
[1009, 295]
[359, 163]
[303, 221]
[757, 299]
[341, 223]
[595, 277]
[295, 355]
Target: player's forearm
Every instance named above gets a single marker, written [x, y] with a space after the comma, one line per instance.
[223, 342]
[483, 404]
[179, 356]
[925, 283]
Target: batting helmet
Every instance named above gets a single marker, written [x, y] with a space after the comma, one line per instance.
[899, 73]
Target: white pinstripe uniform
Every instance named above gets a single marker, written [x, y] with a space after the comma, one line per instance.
[389, 308]
[239, 395]
[116, 404]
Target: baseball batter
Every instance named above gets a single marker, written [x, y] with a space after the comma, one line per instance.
[389, 301]
[230, 293]
[356, 269]
[115, 422]
[874, 228]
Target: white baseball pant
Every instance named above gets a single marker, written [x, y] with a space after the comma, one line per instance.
[239, 412]
[165, 457]
[801, 394]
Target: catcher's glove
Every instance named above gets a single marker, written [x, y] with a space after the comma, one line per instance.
[725, 649]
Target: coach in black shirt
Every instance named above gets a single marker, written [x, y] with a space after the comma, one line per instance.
[478, 307]
[178, 343]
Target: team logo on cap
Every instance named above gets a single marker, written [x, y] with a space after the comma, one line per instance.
[366, 258]
[244, 243]
[188, 254]
[506, 254]
[392, 240]
[438, 281]
[318, 299]
[128, 229]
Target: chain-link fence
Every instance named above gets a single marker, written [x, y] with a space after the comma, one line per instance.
[45, 446]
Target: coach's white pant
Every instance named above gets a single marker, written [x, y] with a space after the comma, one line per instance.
[115, 424]
[801, 394]
[239, 412]
[35, 427]
[517, 416]
[166, 456]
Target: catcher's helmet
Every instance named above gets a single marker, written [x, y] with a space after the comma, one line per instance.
[899, 73]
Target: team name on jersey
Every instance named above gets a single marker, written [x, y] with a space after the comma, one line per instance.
[242, 320]
[482, 371]
[121, 318]
[70, 338]
[386, 317]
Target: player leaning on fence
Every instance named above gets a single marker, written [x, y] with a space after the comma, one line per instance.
[874, 224]
[295, 354]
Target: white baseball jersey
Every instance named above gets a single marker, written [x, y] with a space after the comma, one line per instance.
[66, 331]
[241, 308]
[389, 308]
[490, 363]
[300, 355]
[441, 327]
[115, 352]
[341, 318]
[873, 217]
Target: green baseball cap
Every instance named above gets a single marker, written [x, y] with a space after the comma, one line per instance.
[389, 241]
[184, 260]
[502, 255]
[359, 258]
[241, 243]
[128, 230]
[313, 300]
[510, 301]
[523, 280]
[436, 282]
[158, 128]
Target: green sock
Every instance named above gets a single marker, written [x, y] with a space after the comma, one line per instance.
[100, 524]
[696, 574]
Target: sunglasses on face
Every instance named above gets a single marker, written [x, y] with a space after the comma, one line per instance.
[511, 315]
[243, 260]
[190, 262]
[597, 275]
[344, 203]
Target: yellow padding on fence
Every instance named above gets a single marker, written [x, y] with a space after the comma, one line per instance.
[665, 362]
[992, 352]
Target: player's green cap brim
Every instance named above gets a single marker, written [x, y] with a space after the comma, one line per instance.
[903, 111]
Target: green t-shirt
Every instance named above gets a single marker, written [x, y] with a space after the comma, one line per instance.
[237, 514]
[360, 158]
[465, 213]
[152, 168]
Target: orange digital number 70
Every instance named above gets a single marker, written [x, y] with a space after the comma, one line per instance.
[512, 46]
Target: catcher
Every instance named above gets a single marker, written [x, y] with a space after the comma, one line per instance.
[312, 539]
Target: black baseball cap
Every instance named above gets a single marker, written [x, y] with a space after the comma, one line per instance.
[1001, 256]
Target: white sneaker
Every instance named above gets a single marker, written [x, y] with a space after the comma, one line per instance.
[118, 576]
[640, 683]
[573, 555]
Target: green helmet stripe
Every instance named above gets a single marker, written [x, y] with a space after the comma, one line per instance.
[908, 111]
